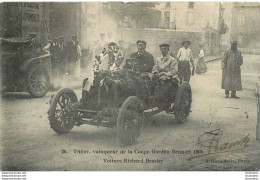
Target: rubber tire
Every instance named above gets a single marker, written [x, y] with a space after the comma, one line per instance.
[51, 112]
[185, 86]
[121, 117]
[31, 70]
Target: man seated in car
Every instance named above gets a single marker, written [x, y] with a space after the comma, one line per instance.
[165, 71]
[108, 60]
[143, 60]
[166, 66]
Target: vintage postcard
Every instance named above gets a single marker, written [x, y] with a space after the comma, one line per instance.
[130, 86]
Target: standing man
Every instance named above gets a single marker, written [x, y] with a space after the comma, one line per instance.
[78, 63]
[72, 50]
[184, 58]
[62, 55]
[231, 72]
[53, 48]
[144, 61]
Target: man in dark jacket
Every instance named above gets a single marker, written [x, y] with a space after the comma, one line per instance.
[62, 55]
[144, 61]
[72, 55]
[231, 72]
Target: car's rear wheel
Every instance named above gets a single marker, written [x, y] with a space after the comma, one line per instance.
[61, 114]
[182, 104]
[130, 120]
[38, 81]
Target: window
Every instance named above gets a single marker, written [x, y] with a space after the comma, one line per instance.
[240, 38]
[241, 20]
[167, 19]
[191, 4]
[190, 18]
[168, 5]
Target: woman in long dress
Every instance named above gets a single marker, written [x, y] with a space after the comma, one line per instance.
[201, 66]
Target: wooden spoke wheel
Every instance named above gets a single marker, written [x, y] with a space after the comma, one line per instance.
[38, 82]
[61, 114]
[182, 104]
[130, 120]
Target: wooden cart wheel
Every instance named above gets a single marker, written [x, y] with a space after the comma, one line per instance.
[38, 82]
[130, 120]
[61, 115]
[182, 104]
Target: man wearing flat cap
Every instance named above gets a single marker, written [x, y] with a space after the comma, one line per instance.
[72, 48]
[231, 72]
[165, 66]
[62, 55]
[144, 60]
[165, 70]
[184, 58]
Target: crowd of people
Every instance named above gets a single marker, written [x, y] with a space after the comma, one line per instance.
[165, 65]
[65, 58]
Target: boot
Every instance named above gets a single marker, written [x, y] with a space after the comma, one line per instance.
[233, 95]
[83, 101]
[227, 93]
[84, 98]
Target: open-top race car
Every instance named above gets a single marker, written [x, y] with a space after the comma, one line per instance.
[121, 98]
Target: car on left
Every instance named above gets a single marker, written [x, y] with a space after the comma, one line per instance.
[24, 67]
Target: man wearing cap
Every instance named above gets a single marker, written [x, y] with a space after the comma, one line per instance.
[144, 60]
[72, 50]
[53, 48]
[165, 66]
[231, 72]
[62, 54]
[35, 45]
[184, 57]
[165, 69]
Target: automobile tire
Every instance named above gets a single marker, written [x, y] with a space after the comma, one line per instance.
[38, 81]
[182, 104]
[61, 115]
[130, 120]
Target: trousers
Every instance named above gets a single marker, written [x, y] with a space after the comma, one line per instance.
[184, 70]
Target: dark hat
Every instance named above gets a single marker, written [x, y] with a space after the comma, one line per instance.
[234, 42]
[164, 45]
[32, 35]
[140, 41]
[184, 41]
[112, 44]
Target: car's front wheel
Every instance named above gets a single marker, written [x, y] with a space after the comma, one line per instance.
[38, 81]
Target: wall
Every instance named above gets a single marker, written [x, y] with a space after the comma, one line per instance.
[21, 19]
[246, 32]
[203, 17]
[65, 20]
[11, 19]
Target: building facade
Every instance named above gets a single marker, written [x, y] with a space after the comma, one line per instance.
[21, 19]
[202, 17]
[245, 24]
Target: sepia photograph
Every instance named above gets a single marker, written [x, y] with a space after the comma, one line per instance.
[130, 86]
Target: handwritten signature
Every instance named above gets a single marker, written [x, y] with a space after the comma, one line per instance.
[210, 141]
